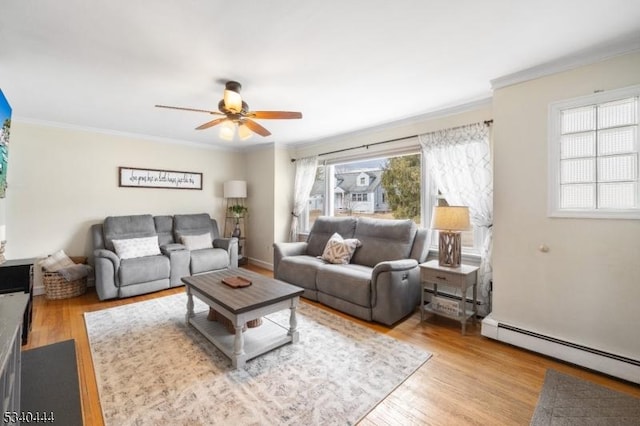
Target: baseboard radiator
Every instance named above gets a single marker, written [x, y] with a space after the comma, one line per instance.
[593, 359]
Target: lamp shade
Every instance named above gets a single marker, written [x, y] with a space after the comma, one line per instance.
[450, 218]
[235, 189]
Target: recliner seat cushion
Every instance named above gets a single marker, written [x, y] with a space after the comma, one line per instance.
[383, 240]
[205, 260]
[300, 270]
[347, 282]
[143, 269]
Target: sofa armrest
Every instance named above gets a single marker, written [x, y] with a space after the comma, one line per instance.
[395, 290]
[224, 243]
[107, 254]
[231, 246]
[394, 265]
[281, 250]
[106, 265]
[179, 259]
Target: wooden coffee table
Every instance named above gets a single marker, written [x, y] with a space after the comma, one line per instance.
[239, 305]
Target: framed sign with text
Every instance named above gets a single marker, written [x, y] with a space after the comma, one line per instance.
[148, 178]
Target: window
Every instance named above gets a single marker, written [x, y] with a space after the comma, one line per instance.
[360, 188]
[593, 154]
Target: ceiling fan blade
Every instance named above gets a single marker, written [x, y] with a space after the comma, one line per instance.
[255, 127]
[274, 114]
[211, 123]
[190, 109]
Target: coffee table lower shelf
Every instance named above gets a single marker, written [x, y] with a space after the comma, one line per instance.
[257, 341]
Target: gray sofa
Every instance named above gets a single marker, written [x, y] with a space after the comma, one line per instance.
[116, 277]
[382, 281]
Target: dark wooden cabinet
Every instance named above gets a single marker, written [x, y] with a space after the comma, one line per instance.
[17, 275]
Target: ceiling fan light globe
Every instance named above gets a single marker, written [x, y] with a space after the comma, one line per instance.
[244, 132]
[227, 129]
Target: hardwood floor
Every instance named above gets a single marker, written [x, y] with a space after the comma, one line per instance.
[470, 380]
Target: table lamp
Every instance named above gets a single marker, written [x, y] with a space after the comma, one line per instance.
[449, 221]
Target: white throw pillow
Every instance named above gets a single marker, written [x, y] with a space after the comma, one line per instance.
[197, 242]
[338, 250]
[56, 261]
[136, 247]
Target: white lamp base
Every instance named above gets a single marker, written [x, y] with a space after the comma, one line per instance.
[450, 249]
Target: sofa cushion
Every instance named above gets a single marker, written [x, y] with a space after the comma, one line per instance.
[339, 250]
[300, 270]
[125, 227]
[143, 269]
[209, 259]
[197, 242]
[136, 247]
[324, 227]
[383, 239]
[347, 282]
[193, 224]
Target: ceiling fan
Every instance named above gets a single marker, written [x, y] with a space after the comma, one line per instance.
[235, 113]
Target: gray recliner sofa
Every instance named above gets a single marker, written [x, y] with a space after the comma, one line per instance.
[382, 281]
[117, 278]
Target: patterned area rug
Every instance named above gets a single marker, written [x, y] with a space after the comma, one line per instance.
[153, 369]
[567, 400]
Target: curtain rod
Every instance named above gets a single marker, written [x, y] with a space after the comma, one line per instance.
[293, 160]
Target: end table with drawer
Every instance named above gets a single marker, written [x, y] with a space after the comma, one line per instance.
[462, 277]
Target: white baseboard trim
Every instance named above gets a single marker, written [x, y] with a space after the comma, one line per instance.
[39, 290]
[594, 359]
[261, 263]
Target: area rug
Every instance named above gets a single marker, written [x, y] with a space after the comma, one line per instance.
[153, 369]
[567, 400]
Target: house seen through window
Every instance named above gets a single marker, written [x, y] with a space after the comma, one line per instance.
[384, 188]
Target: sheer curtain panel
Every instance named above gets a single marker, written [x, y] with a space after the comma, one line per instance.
[459, 161]
[305, 176]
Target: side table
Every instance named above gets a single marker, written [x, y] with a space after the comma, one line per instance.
[17, 276]
[463, 277]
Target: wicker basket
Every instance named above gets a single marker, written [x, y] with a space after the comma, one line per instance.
[57, 287]
[215, 316]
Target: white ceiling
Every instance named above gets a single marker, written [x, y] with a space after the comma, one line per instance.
[346, 65]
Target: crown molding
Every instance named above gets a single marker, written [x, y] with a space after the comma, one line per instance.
[117, 133]
[630, 43]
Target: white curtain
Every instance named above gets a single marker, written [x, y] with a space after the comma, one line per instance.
[305, 176]
[459, 161]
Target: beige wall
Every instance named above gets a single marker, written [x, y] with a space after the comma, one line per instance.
[260, 173]
[270, 186]
[63, 180]
[586, 288]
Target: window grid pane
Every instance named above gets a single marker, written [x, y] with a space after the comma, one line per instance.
[620, 140]
[581, 196]
[618, 113]
[581, 170]
[622, 195]
[578, 145]
[618, 168]
[578, 119]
